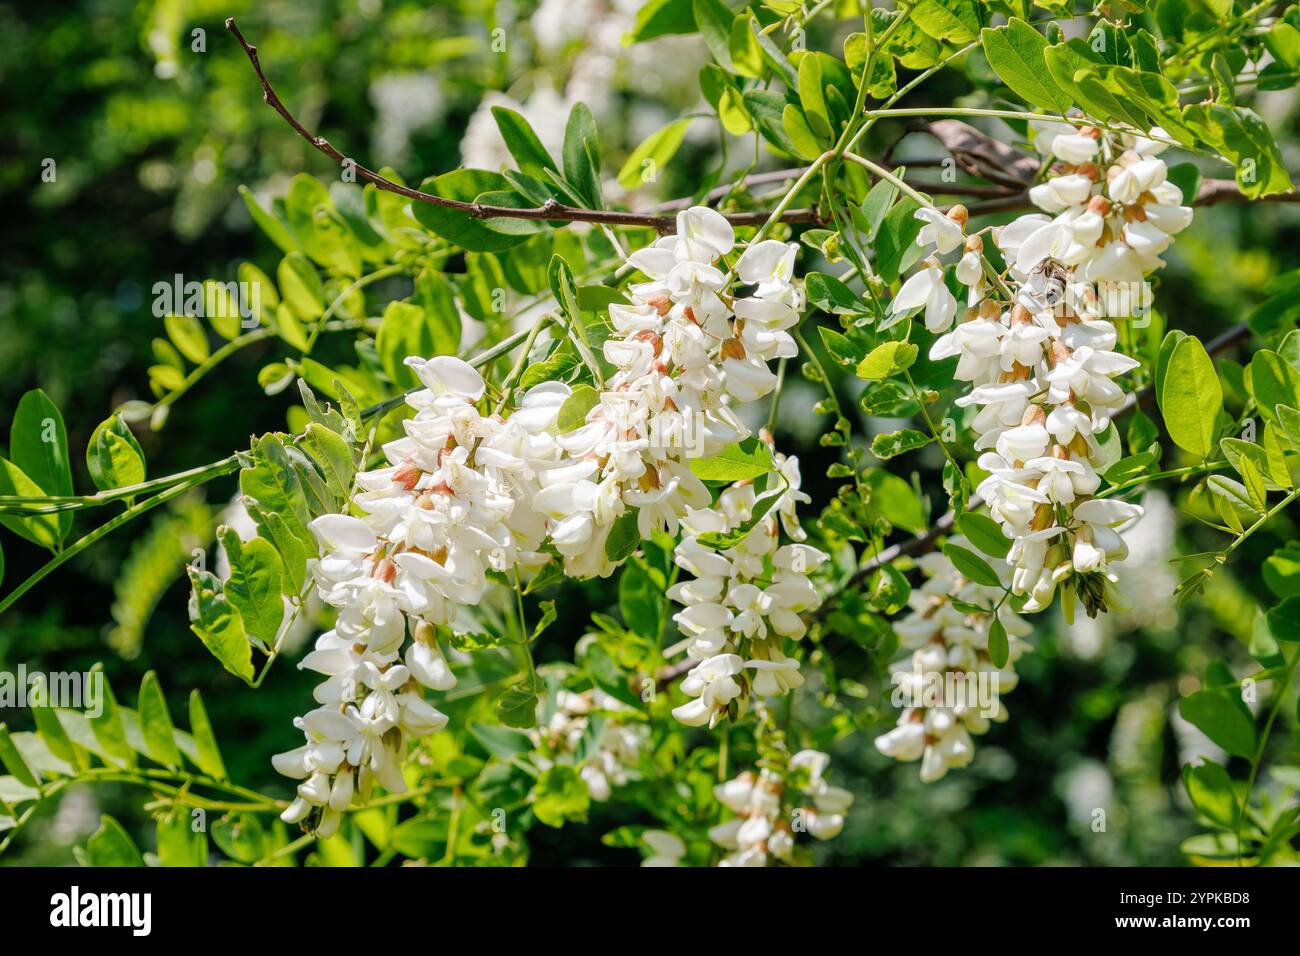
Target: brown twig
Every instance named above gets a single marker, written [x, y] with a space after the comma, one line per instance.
[927, 542]
[551, 210]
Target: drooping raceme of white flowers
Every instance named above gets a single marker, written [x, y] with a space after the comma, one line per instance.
[745, 601]
[435, 520]
[948, 686]
[771, 808]
[466, 492]
[685, 352]
[1043, 367]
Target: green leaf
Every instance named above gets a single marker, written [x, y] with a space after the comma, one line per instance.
[605, 672]
[957, 21]
[1016, 54]
[739, 461]
[1224, 721]
[530, 155]
[240, 837]
[581, 155]
[190, 338]
[573, 413]
[1191, 397]
[459, 228]
[742, 44]
[253, 588]
[998, 647]
[893, 499]
[179, 843]
[560, 796]
[624, 537]
[278, 498]
[334, 456]
[1210, 789]
[799, 133]
[12, 760]
[893, 444]
[217, 621]
[517, 707]
[1284, 620]
[111, 846]
[661, 18]
[774, 56]
[301, 287]
[38, 444]
[306, 194]
[51, 730]
[42, 529]
[1233, 501]
[1275, 382]
[832, 296]
[156, 723]
[107, 725]
[896, 246]
[971, 566]
[877, 204]
[404, 330]
[812, 97]
[983, 532]
[714, 20]
[1243, 138]
[208, 754]
[767, 108]
[499, 741]
[887, 359]
[221, 307]
[272, 227]
[839, 347]
[654, 153]
[1289, 422]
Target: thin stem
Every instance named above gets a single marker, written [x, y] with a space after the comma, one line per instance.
[550, 211]
[920, 199]
[86, 541]
[361, 283]
[513, 376]
[1258, 756]
[1200, 469]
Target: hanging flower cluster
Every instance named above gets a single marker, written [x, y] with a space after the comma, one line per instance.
[771, 808]
[466, 492]
[436, 519]
[607, 760]
[1044, 365]
[948, 686]
[685, 351]
[744, 601]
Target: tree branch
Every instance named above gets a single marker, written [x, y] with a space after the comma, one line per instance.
[551, 210]
[930, 540]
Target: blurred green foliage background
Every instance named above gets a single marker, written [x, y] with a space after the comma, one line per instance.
[152, 119]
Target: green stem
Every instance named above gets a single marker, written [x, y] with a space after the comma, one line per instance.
[75, 502]
[342, 296]
[86, 541]
[920, 199]
[1259, 751]
[1200, 469]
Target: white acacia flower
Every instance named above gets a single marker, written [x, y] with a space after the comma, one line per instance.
[939, 230]
[927, 288]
